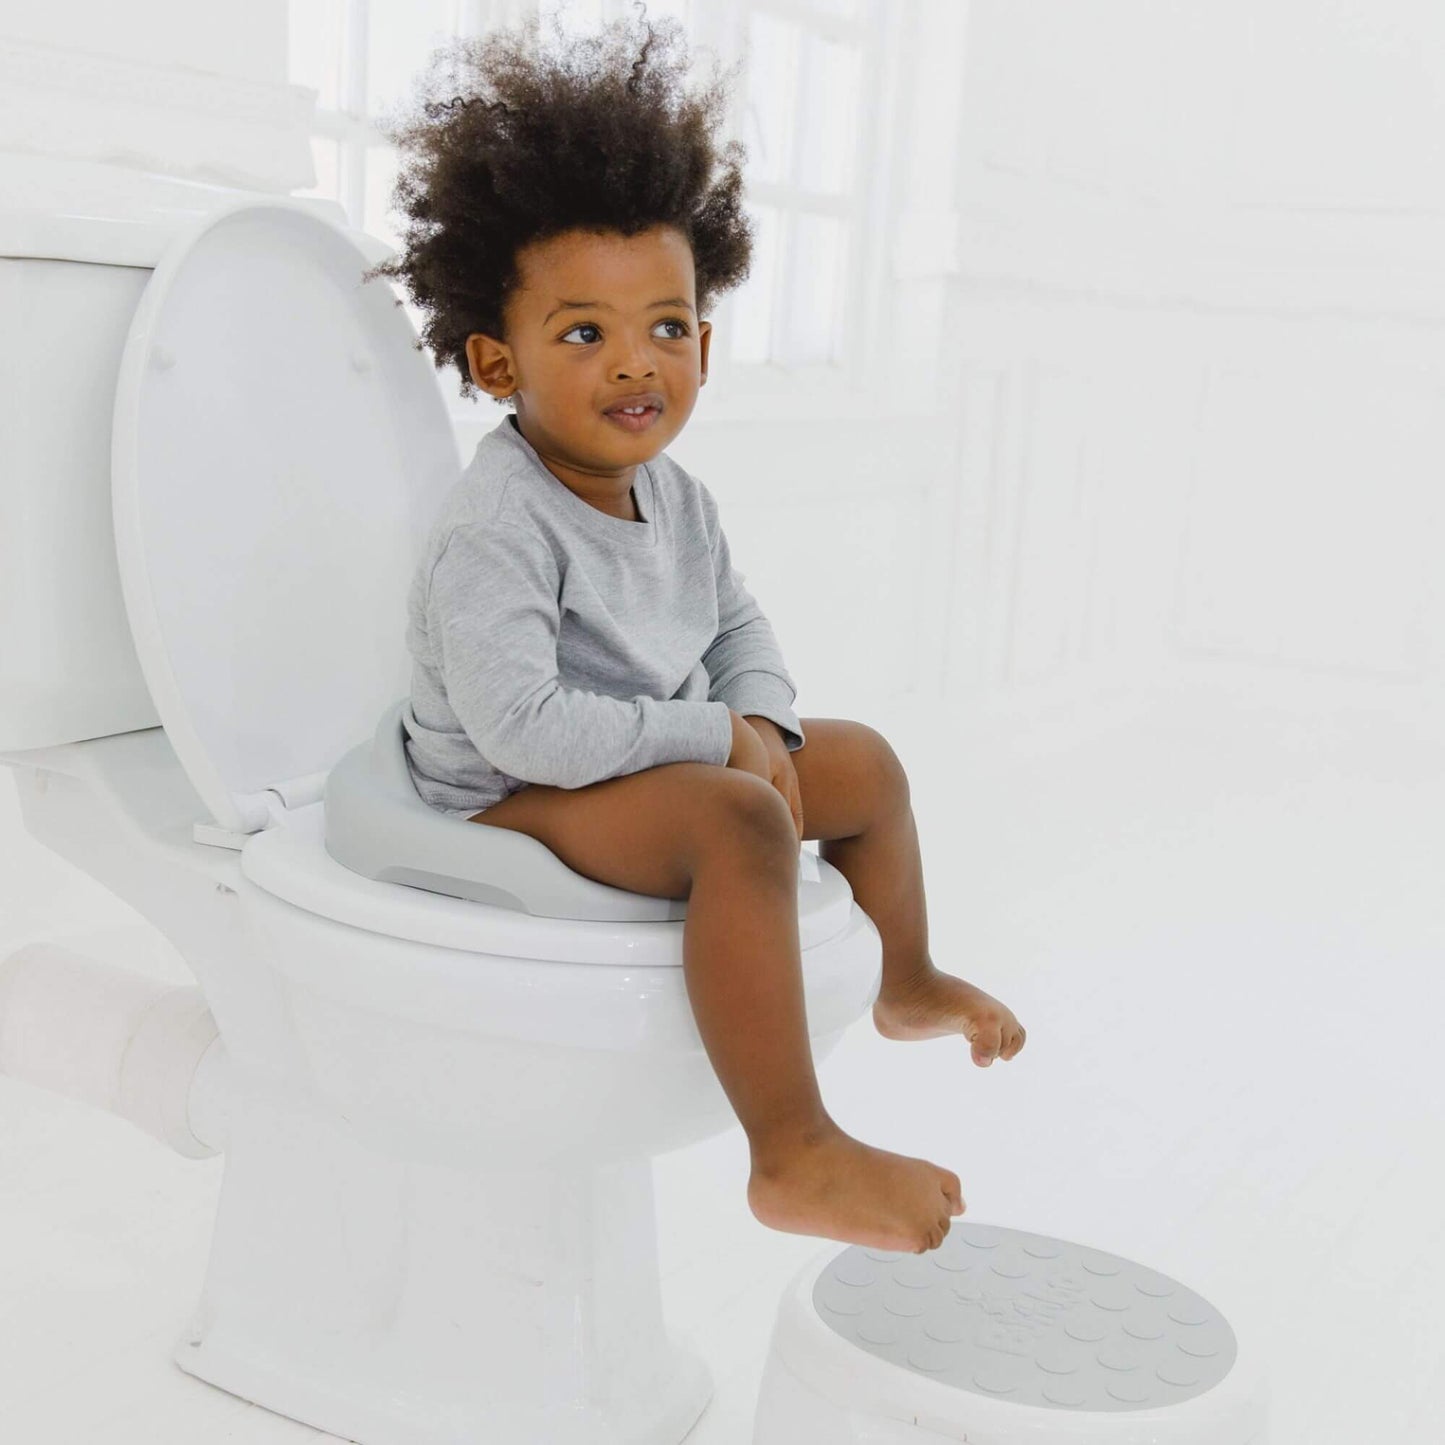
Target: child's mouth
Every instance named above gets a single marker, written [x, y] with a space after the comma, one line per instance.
[634, 421]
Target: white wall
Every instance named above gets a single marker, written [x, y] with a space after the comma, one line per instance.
[186, 90]
[1197, 321]
[245, 42]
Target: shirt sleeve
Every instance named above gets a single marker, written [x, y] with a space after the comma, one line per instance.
[744, 663]
[494, 615]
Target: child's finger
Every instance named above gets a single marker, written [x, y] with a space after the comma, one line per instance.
[953, 1192]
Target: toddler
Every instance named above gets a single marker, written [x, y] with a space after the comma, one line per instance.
[589, 667]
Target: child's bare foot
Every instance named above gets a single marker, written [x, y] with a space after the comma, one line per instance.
[838, 1188]
[932, 1003]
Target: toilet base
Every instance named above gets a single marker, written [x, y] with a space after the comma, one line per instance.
[392, 1302]
[354, 1409]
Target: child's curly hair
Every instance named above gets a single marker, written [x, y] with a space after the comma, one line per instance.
[593, 137]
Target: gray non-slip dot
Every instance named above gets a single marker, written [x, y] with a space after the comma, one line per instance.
[1022, 1317]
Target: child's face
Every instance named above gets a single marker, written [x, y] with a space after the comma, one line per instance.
[566, 364]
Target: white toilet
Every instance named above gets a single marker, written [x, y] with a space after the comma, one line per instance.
[438, 1113]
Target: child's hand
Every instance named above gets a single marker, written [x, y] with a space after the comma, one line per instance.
[750, 752]
[776, 762]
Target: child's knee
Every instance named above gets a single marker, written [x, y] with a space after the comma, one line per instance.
[743, 807]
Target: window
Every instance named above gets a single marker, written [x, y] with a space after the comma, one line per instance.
[802, 130]
[361, 56]
[815, 169]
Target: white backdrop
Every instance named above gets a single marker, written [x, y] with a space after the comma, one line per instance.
[1139, 425]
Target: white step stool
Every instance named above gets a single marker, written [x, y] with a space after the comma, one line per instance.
[1000, 1337]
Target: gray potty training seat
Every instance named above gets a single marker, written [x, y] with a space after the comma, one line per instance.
[1001, 1337]
[378, 825]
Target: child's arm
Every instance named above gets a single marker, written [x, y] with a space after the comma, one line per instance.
[744, 663]
[493, 616]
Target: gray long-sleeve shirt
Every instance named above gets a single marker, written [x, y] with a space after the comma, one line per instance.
[555, 643]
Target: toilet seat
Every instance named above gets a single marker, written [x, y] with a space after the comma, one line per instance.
[290, 860]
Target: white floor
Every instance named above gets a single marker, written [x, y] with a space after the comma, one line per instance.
[1224, 930]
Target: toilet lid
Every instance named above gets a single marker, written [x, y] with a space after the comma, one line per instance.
[280, 450]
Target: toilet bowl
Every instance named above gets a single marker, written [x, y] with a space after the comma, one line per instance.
[438, 1107]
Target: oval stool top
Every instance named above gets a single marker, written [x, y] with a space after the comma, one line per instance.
[1030, 1320]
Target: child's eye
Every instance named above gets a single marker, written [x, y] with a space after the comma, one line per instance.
[588, 326]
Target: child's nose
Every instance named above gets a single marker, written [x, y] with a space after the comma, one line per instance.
[634, 371]
[631, 363]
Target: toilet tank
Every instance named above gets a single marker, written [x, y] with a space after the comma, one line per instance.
[69, 287]
[68, 668]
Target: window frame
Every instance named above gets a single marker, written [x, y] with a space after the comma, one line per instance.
[845, 388]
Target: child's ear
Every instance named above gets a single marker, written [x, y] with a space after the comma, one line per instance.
[704, 338]
[490, 363]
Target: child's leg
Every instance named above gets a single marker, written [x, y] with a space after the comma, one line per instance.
[855, 796]
[725, 840]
